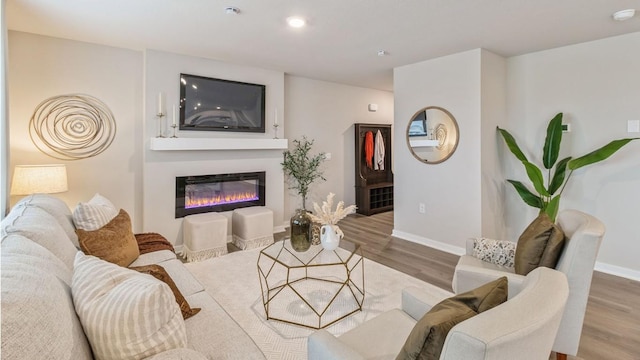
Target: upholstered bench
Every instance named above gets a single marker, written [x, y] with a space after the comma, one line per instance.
[252, 227]
[205, 236]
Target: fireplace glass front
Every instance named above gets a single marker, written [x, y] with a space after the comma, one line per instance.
[219, 192]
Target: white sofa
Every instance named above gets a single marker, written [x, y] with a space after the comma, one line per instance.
[522, 328]
[38, 317]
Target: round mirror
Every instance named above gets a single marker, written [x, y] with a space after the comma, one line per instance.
[432, 135]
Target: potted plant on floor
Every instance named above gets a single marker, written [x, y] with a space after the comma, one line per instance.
[302, 169]
[547, 198]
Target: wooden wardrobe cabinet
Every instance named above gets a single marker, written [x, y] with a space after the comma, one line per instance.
[374, 188]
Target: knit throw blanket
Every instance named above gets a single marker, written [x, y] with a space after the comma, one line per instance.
[150, 242]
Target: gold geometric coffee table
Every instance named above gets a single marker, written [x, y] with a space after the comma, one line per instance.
[315, 288]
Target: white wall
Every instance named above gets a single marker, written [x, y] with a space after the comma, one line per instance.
[493, 78]
[597, 86]
[4, 116]
[450, 190]
[41, 67]
[160, 168]
[326, 112]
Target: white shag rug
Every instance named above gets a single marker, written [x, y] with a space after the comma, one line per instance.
[233, 281]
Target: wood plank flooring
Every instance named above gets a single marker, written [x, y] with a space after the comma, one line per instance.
[612, 321]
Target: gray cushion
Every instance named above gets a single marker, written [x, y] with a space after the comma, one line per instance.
[56, 208]
[38, 316]
[215, 334]
[42, 228]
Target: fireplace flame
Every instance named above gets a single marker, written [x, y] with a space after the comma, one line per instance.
[204, 201]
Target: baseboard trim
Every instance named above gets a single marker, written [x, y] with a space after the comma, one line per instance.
[618, 271]
[599, 266]
[456, 250]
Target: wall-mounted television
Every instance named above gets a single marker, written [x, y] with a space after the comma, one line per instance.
[418, 125]
[221, 105]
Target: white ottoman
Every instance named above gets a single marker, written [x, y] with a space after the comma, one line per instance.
[252, 227]
[205, 236]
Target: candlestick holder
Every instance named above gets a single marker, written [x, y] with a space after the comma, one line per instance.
[160, 116]
[275, 131]
[174, 126]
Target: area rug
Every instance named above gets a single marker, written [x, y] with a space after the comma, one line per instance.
[233, 281]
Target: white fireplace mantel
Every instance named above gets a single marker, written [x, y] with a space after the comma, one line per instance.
[181, 144]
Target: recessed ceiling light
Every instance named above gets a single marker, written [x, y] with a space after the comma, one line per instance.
[623, 15]
[296, 21]
[382, 53]
[232, 10]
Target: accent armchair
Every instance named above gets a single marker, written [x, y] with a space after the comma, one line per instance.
[523, 327]
[583, 237]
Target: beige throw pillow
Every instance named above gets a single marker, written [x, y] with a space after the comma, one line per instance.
[161, 274]
[94, 214]
[114, 242]
[426, 340]
[540, 244]
[125, 315]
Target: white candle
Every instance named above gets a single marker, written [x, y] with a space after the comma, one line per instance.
[160, 104]
[174, 114]
[276, 121]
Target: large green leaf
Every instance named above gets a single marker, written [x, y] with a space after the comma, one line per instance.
[529, 198]
[535, 175]
[552, 207]
[599, 154]
[513, 146]
[552, 142]
[558, 176]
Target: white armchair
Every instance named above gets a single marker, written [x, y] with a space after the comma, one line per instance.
[584, 234]
[523, 327]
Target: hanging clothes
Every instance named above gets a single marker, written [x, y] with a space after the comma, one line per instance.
[378, 152]
[368, 149]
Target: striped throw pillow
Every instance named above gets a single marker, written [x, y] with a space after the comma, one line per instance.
[94, 214]
[125, 314]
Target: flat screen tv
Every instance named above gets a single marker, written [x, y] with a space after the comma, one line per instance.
[418, 125]
[221, 105]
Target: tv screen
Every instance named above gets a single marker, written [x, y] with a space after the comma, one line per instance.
[418, 125]
[221, 105]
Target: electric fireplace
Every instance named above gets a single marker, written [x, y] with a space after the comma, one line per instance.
[218, 192]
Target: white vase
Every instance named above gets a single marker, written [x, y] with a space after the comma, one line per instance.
[329, 238]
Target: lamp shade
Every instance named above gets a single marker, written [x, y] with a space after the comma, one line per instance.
[39, 179]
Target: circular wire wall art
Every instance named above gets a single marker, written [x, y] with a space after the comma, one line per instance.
[72, 127]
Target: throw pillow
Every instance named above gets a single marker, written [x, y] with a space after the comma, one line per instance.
[540, 244]
[125, 315]
[114, 242]
[161, 274]
[499, 252]
[426, 340]
[94, 214]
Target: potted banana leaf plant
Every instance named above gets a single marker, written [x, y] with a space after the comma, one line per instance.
[547, 196]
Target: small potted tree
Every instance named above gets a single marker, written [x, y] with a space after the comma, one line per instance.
[302, 169]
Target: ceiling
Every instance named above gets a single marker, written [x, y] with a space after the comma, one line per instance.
[341, 41]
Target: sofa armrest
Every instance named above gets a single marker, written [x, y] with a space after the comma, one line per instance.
[469, 247]
[321, 345]
[178, 354]
[471, 272]
[418, 301]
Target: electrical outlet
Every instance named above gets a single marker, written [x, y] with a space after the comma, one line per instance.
[422, 208]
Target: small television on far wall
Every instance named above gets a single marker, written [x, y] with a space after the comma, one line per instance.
[418, 125]
[221, 105]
